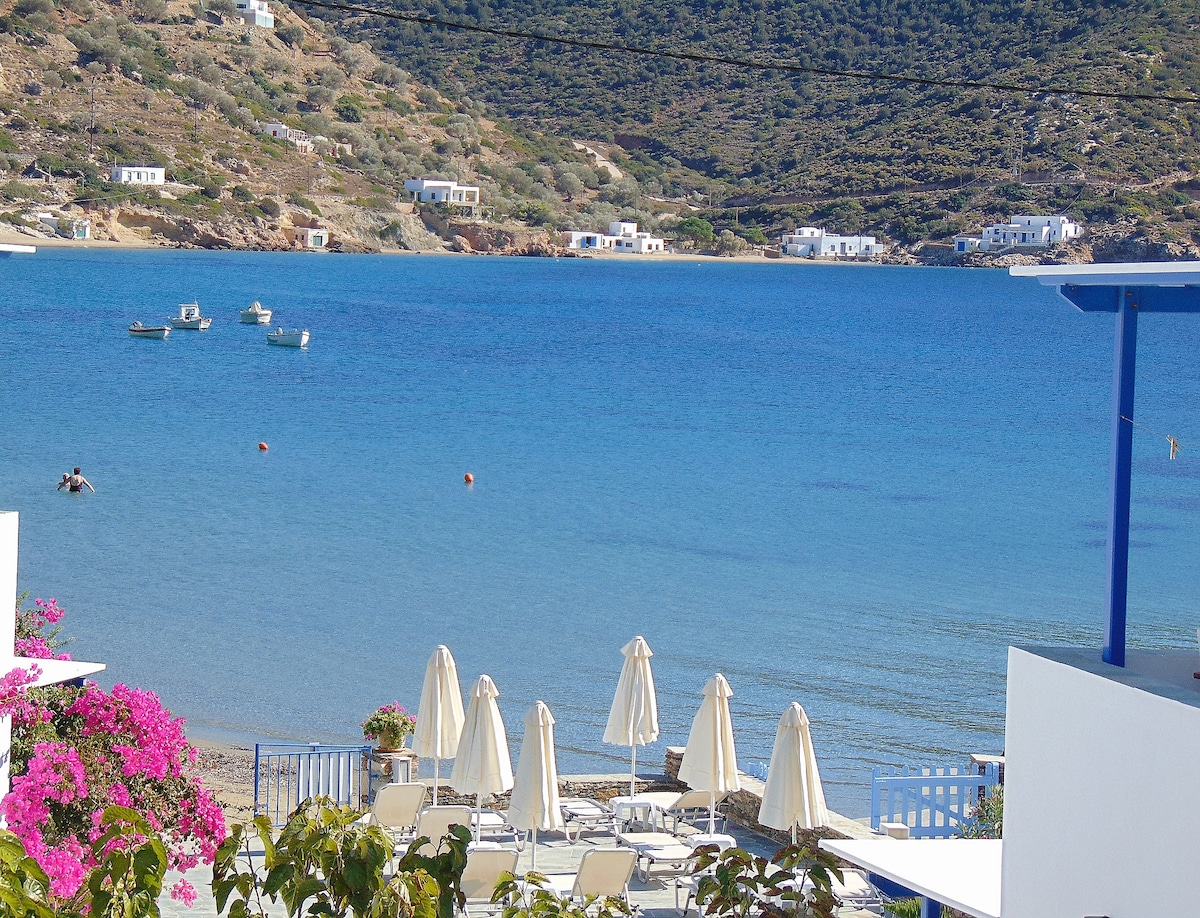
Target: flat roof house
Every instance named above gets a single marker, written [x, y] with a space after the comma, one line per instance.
[1022, 231]
[442, 191]
[815, 242]
[256, 12]
[139, 175]
[621, 237]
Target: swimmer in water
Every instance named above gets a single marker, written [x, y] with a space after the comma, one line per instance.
[76, 482]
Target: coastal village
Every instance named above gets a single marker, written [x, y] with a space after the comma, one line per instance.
[248, 125]
[216, 172]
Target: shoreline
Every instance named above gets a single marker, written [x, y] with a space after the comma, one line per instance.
[10, 235]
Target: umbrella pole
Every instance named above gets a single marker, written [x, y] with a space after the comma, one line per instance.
[793, 833]
[633, 769]
[712, 813]
[533, 853]
[435, 779]
[478, 815]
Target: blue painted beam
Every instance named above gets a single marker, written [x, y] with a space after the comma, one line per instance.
[1092, 298]
[930, 908]
[1124, 365]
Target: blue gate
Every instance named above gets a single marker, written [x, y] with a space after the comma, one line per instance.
[287, 774]
[934, 801]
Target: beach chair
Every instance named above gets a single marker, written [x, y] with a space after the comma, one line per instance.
[482, 873]
[601, 872]
[690, 807]
[655, 849]
[689, 879]
[585, 814]
[397, 808]
[435, 822]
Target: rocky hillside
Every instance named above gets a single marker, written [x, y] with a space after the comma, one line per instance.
[85, 84]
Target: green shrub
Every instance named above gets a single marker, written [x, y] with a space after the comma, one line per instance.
[299, 200]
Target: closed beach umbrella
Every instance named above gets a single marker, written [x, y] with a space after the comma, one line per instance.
[710, 761]
[535, 803]
[440, 713]
[482, 765]
[633, 718]
[793, 796]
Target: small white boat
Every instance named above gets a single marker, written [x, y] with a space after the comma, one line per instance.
[256, 315]
[189, 317]
[138, 330]
[292, 338]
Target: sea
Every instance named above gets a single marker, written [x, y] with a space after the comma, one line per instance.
[844, 485]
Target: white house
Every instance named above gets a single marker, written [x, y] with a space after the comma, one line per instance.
[67, 227]
[1021, 230]
[256, 12]
[294, 136]
[814, 242]
[442, 191]
[621, 237]
[139, 175]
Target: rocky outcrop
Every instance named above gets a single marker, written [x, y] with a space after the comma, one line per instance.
[495, 240]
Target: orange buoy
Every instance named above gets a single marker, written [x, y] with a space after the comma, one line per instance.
[263, 447]
[469, 478]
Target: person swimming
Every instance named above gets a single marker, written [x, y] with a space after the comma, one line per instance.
[75, 482]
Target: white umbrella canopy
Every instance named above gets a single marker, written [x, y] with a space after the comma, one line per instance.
[633, 718]
[793, 797]
[535, 804]
[440, 713]
[710, 760]
[482, 765]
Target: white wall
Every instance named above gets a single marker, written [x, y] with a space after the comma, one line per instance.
[8, 579]
[1102, 785]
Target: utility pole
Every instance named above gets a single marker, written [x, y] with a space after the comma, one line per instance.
[92, 125]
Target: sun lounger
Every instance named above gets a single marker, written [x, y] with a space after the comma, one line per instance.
[689, 806]
[397, 808]
[585, 813]
[653, 849]
[435, 822]
[482, 873]
[493, 825]
[602, 872]
[690, 880]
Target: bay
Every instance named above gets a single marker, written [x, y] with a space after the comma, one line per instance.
[849, 486]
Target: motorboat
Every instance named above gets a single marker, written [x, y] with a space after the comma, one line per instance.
[138, 330]
[189, 317]
[256, 315]
[292, 338]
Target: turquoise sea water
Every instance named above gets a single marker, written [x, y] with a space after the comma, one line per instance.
[848, 486]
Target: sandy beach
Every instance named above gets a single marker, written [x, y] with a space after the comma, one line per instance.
[229, 772]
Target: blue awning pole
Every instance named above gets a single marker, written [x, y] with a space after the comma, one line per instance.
[1124, 362]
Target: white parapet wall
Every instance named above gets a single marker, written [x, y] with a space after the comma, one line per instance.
[1102, 784]
[9, 520]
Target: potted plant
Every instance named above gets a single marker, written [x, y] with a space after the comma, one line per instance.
[389, 725]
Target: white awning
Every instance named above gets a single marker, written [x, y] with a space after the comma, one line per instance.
[963, 873]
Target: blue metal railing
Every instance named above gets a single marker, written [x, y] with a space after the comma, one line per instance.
[934, 801]
[287, 774]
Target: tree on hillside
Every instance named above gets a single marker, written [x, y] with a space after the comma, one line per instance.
[694, 231]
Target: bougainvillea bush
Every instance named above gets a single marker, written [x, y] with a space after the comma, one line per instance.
[78, 750]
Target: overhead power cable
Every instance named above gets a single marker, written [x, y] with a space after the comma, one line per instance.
[744, 62]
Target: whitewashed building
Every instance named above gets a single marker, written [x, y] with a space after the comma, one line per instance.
[442, 191]
[1021, 231]
[139, 175]
[814, 242]
[621, 237]
[67, 227]
[256, 12]
[298, 138]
